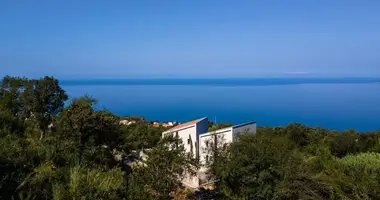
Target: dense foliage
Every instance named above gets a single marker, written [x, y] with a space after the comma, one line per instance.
[52, 151]
[49, 151]
[299, 162]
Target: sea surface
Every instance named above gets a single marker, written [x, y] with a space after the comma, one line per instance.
[327, 102]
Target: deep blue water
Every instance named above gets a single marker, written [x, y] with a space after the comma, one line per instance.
[332, 103]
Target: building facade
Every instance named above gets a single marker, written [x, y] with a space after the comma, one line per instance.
[189, 134]
[221, 137]
[199, 142]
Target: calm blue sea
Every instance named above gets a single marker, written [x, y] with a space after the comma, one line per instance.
[332, 103]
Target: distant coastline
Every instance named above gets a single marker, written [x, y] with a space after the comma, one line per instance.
[218, 81]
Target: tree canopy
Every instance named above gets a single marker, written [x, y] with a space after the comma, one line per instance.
[299, 162]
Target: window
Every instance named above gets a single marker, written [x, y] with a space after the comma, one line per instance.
[176, 141]
[189, 141]
[206, 159]
[196, 150]
[206, 143]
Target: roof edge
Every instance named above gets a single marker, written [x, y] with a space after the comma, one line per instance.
[179, 128]
[230, 127]
[244, 124]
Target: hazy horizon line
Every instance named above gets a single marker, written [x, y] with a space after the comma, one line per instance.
[219, 77]
[290, 75]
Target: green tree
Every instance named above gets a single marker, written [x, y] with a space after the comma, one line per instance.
[343, 143]
[140, 135]
[161, 174]
[11, 94]
[43, 100]
[251, 167]
[93, 134]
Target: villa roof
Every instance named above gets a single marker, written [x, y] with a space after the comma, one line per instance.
[184, 125]
[244, 124]
[226, 128]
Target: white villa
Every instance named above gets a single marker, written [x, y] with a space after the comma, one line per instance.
[197, 140]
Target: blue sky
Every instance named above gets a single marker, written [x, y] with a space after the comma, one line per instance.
[194, 38]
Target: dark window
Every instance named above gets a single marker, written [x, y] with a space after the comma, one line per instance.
[196, 152]
[206, 143]
[207, 159]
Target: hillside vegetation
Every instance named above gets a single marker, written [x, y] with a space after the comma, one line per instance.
[52, 151]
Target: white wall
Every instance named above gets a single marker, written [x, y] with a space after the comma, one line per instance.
[196, 131]
[251, 128]
[224, 136]
[202, 127]
[190, 180]
[183, 134]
